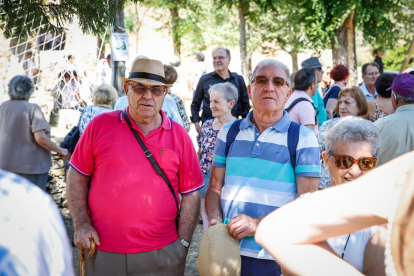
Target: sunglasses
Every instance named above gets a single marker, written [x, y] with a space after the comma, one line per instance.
[345, 162]
[263, 80]
[141, 90]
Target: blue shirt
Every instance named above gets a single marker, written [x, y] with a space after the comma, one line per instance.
[368, 95]
[320, 108]
[259, 176]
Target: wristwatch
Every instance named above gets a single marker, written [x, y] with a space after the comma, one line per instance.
[185, 243]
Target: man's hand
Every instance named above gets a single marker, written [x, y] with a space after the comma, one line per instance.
[242, 226]
[215, 221]
[63, 153]
[197, 126]
[83, 234]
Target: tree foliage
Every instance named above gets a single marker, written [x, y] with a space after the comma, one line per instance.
[395, 58]
[21, 17]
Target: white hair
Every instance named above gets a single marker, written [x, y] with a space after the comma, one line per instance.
[228, 89]
[352, 129]
[274, 63]
[104, 94]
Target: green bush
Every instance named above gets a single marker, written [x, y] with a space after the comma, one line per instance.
[394, 59]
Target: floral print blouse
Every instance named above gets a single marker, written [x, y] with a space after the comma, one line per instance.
[89, 113]
[325, 180]
[206, 141]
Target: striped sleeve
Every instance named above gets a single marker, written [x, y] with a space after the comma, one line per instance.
[307, 154]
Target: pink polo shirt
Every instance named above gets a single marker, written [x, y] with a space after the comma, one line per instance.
[302, 113]
[130, 205]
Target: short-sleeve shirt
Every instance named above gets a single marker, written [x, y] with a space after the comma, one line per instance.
[332, 93]
[259, 176]
[33, 238]
[206, 140]
[19, 151]
[130, 205]
[368, 95]
[170, 109]
[304, 112]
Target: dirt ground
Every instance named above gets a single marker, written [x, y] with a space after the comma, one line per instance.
[191, 264]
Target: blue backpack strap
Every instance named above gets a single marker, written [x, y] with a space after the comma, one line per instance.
[293, 139]
[231, 135]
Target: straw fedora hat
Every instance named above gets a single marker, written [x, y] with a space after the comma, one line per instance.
[147, 71]
[219, 253]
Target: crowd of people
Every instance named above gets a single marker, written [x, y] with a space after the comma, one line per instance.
[271, 164]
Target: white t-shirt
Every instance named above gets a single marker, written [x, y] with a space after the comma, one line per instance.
[30, 68]
[355, 249]
[33, 239]
[121, 103]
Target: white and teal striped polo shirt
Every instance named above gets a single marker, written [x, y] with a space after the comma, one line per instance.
[259, 176]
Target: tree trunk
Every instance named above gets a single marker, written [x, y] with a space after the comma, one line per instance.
[344, 52]
[242, 42]
[118, 67]
[294, 55]
[137, 29]
[100, 51]
[249, 65]
[176, 36]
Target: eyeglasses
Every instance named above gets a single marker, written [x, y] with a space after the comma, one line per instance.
[345, 162]
[219, 58]
[263, 80]
[141, 90]
[373, 74]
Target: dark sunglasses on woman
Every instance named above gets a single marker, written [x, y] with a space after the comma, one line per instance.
[345, 162]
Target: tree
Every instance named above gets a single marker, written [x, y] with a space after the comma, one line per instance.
[135, 20]
[94, 16]
[335, 23]
[183, 20]
[395, 58]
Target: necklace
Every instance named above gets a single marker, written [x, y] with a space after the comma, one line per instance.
[343, 251]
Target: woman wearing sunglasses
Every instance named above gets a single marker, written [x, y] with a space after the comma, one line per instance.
[350, 146]
[351, 102]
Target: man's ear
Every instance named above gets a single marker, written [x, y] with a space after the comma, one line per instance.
[126, 88]
[249, 89]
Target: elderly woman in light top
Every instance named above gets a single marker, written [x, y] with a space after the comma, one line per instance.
[103, 96]
[223, 96]
[25, 143]
[350, 146]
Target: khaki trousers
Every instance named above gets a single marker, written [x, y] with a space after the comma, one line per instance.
[167, 261]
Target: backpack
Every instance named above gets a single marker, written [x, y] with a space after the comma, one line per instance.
[303, 100]
[293, 139]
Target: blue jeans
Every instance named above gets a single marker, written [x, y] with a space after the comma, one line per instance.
[259, 267]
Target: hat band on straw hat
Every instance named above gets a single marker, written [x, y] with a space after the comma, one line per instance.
[143, 75]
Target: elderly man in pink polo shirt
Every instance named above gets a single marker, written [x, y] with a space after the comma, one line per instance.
[300, 104]
[131, 210]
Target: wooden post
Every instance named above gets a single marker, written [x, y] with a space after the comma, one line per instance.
[407, 57]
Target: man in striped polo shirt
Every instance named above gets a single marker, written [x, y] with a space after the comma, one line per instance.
[256, 173]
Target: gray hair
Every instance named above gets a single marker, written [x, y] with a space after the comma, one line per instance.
[274, 63]
[224, 49]
[20, 88]
[104, 94]
[352, 129]
[228, 89]
[400, 98]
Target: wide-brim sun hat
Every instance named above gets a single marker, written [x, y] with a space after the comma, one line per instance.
[147, 71]
[219, 253]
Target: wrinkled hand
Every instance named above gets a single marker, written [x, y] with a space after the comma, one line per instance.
[214, 222]
[63, 153]
[197, 126]
[82, 235]
[242, 226]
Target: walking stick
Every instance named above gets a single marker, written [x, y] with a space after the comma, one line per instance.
[82, 257]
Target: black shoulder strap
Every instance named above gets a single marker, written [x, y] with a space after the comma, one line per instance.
[231, 135]
[154, 163]
[293, 140]
[296, 102]
[302, 100]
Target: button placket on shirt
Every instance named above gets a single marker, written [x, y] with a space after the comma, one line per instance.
[257, 144]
